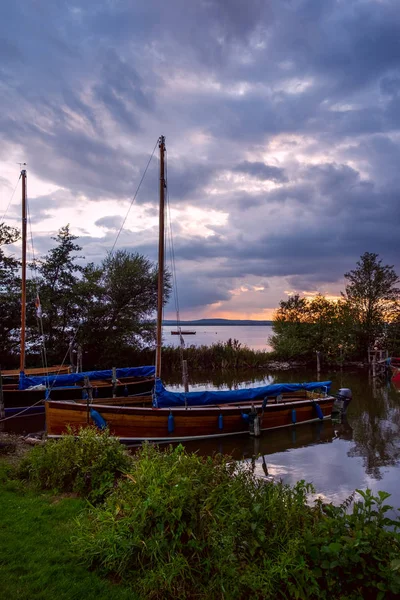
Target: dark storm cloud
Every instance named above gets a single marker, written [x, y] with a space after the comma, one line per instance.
[262, 171]
[90, 86]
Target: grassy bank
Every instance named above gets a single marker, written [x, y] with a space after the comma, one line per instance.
[36, 556]
[167, 524]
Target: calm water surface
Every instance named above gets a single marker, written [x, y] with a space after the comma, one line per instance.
[337, 458]
[252, 336]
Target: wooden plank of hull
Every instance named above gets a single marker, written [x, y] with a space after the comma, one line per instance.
[58, 369]
[135, 423]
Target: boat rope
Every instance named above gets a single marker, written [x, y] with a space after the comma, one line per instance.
[12, 196]
[170, 238]
[114, 244]
[63, 361]
[22, 411]
[134, 197]
[35, 278]
[111, 252]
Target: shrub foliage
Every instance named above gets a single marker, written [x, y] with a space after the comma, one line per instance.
[181, 526]
[88, 465]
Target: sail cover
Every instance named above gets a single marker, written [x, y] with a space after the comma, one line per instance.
[166, 399]
[68, 380]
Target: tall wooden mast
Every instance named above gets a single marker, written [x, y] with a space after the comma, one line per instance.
[23, 287]
[160, 299]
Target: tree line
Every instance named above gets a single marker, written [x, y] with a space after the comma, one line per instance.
[367, 315]
[107, 309]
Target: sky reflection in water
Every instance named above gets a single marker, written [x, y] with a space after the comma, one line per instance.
[337, 458]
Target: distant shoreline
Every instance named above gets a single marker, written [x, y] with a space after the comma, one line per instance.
[217, 322]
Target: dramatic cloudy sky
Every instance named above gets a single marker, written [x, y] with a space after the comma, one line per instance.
[282, 123]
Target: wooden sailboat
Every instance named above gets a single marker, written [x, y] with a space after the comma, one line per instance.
[183, 332]
[193, 415]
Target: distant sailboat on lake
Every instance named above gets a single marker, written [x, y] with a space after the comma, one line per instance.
[183, 332]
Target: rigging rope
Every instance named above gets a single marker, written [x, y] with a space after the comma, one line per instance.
[134, 197]
[39, 318]
[112, 250]
[22, 411]
[12, 196]
[45, 366]
[173, 266]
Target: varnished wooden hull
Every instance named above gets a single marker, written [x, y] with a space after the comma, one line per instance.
[134, 424]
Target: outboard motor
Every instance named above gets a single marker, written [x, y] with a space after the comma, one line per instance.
[343, 398]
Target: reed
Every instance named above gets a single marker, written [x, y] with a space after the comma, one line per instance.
[222, 356]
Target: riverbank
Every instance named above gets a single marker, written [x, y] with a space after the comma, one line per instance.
[171, 524]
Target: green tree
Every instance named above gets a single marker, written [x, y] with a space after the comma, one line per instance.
[59, 276]
[290, 337]
[10, 297]
[117, 302]
[372, 296]
[303, 326]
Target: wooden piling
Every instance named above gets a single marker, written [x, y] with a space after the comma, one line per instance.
[185, 376]
[114, 382]
[2, 408]
[86, 388]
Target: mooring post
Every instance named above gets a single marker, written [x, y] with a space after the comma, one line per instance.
[114, 382]
[185, 376]
[86, 388]
[2, 409]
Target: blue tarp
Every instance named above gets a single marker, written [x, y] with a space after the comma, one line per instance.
[69, 380]
[165, 399]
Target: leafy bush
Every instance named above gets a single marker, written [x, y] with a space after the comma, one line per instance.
[88, 464]
[181, 526]
[356, 555]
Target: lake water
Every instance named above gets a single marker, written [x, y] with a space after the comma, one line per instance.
[255, 337]
[363, 451]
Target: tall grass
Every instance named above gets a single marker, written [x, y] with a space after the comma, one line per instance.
[221, 356]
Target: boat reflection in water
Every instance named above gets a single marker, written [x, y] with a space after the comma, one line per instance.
[287, 454]
[278, 440]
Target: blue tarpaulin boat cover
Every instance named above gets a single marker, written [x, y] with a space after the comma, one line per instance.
[72, 378]
[166, 399]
